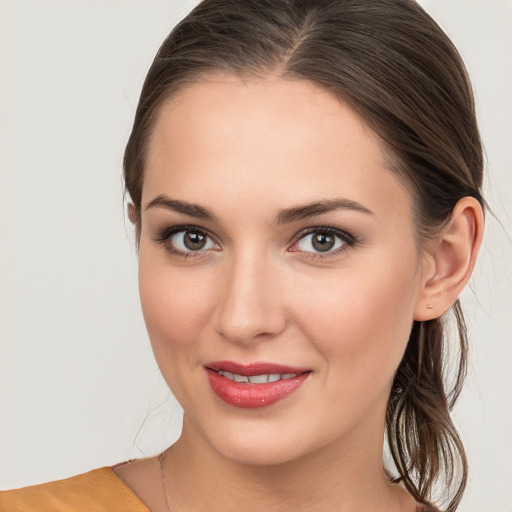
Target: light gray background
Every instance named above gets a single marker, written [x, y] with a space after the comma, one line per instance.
[78, 385]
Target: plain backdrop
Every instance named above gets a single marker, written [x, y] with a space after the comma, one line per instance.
[78, 385]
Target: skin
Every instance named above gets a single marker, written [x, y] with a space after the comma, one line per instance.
[260, 291]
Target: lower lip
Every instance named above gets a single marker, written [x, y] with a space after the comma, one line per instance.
[251, 396]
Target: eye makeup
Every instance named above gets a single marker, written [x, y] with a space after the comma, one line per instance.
[326, 242]
[317, 242]
[195, 241]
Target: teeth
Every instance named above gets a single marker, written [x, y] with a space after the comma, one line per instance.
[287, 376]
[257, 379]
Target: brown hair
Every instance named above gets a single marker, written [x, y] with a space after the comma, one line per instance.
[392, 64]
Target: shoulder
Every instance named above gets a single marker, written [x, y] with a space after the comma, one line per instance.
[99, 490]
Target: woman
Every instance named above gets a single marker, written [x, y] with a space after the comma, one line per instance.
[305, 186]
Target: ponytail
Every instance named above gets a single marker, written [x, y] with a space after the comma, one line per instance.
[424, 443]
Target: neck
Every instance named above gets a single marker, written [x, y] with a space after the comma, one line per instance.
[344, 476]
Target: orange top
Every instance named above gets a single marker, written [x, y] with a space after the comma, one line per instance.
[100, 490]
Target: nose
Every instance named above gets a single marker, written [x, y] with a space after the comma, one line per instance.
[250, 305]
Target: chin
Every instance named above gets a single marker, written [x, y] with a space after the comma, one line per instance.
[267, 442]
[264, 453]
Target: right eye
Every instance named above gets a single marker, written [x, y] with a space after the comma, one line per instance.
[186, 241]
[191, 241]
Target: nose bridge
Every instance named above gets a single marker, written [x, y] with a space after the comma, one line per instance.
[248, 304]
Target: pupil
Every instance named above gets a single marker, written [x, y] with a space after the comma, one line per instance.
[194, 241]
[323, 243]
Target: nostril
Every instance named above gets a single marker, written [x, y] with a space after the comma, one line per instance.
[249, 306]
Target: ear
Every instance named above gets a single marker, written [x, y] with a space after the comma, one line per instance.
[133, 213]
[134, 216]
[450, 260]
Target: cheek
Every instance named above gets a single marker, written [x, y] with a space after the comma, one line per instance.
[176, 309]
[361, 319]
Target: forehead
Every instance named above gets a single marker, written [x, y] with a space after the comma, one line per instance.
[271, 111]
[231, 136]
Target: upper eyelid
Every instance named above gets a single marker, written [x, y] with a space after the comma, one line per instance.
[163, 237]
[166, 233]
[345, 235]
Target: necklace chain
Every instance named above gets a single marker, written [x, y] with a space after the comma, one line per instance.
[161, 461]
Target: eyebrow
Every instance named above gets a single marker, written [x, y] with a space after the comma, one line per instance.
[193, 210]
[318, 208]
[285, 216]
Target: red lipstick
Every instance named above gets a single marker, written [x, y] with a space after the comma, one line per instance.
[254, 385]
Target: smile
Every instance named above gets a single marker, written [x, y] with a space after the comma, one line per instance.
[256, 385]
[257, 379]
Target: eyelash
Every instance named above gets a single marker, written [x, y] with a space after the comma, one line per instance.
[348, 241]
[164, 237]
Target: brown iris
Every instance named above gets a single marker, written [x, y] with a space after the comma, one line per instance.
[322, 242]
[194, 241]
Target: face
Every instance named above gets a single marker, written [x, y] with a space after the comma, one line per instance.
[278, 250]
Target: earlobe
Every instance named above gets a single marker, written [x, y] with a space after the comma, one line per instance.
[451, 260]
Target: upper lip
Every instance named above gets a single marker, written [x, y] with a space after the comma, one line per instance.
[257, 368]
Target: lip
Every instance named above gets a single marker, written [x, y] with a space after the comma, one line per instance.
[251, 369]
[250, 396]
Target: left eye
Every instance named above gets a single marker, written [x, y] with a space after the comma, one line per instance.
[190, 240]
[320, 241]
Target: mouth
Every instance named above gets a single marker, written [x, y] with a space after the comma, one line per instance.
[256, 385]
[257, 379]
